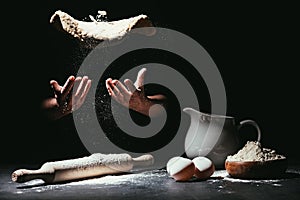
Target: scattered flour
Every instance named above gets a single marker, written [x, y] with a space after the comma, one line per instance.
[138, 178]
[223, 175]
[253, 151]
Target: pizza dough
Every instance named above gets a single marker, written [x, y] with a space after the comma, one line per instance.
[95, 31]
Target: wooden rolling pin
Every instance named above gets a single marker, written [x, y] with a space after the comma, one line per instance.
[96, 164]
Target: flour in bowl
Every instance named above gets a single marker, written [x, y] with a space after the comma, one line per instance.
[253, 151]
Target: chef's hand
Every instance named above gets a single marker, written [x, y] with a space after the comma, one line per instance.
[132, 95]
[63, 102]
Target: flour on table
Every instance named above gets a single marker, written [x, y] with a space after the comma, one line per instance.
[223, 175]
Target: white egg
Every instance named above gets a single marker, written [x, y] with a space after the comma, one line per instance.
[181, 169]
[171, 162]
[204, 167]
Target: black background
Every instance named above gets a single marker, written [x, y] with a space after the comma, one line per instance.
[254, 45]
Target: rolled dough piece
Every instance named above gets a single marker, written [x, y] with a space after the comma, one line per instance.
[97, 31]
[96, 164]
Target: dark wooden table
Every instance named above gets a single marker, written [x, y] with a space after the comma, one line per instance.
[152, 185]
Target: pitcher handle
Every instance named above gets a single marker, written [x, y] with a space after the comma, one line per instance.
[253, 123]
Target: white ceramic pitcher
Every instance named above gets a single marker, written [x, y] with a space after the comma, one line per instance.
[214, 136]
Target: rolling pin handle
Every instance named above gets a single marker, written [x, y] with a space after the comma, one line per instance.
[144, 160]
[24, 175]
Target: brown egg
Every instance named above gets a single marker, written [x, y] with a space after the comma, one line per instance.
[181, 169]
[204, 167]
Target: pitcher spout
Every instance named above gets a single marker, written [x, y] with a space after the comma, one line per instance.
[192, 112]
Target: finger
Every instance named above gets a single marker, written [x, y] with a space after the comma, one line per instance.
[107, 81]
[123, 90]
[109, 85]
[158, 97]
[56, 87]
[77, 82]
[81, 86]
[77, 103]
[83, 91]
[129, 84]
[114, 81]
[86, 89]
[112, 91]
[140, 78]
[119, 92]
[68, 82]
[114, 87]
[67, 87]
